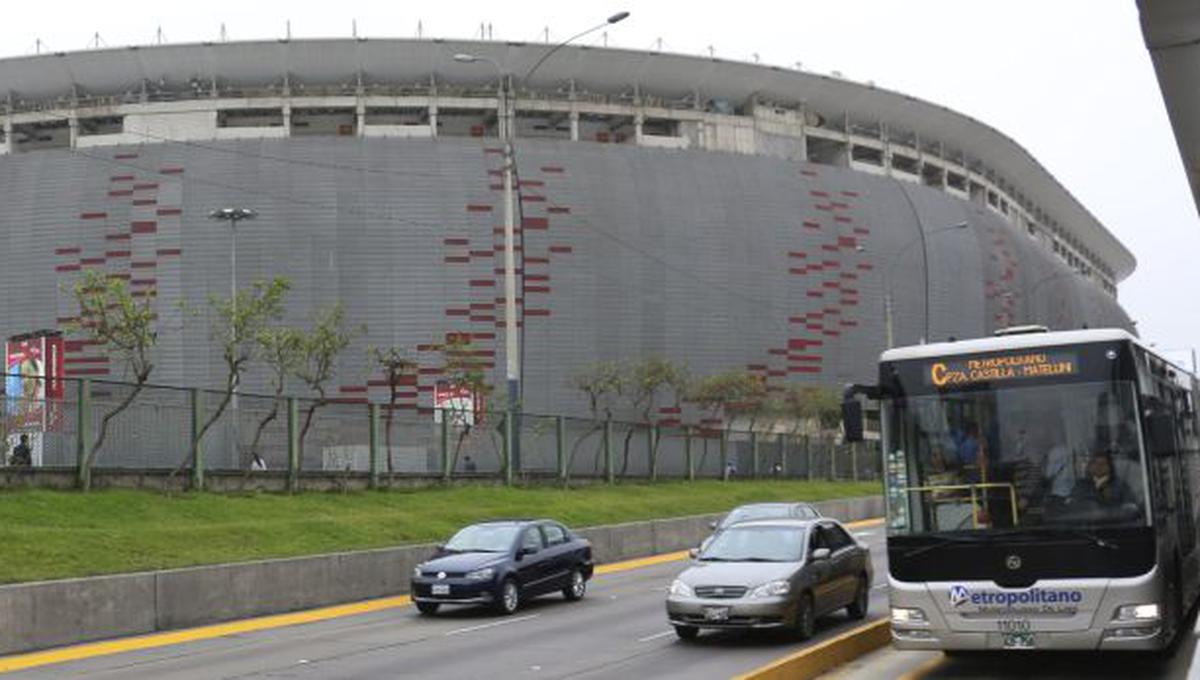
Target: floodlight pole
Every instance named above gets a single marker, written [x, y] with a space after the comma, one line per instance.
[233, 216]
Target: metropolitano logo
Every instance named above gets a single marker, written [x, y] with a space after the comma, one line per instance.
[959, 595]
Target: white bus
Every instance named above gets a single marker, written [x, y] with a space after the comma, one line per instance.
[1040, 491]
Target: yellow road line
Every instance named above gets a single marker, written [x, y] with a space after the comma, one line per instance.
[924, 669]
[153, 640]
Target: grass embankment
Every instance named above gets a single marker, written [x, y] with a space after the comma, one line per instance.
[54, 534]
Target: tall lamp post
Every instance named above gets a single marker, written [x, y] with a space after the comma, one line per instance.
[233, 215]
[887, 278]
[512, 354]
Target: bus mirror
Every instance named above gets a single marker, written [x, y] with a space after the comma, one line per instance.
[852, 420]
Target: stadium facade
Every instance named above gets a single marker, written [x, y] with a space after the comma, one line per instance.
[728, 215]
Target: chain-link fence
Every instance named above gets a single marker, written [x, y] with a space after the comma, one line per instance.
[154, 429]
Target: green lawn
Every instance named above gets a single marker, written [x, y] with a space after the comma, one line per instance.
[54, 534]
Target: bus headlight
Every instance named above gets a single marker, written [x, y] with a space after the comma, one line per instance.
[908, 616]
[1137, 612]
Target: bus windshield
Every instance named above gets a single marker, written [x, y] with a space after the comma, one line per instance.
[1057, 456]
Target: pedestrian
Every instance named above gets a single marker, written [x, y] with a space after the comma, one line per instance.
[469, 465]
[257, 464]
[22, 456]
[730, 471]
[777, 470]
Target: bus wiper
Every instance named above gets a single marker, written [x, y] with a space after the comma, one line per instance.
[942, 541]
[1070, 531]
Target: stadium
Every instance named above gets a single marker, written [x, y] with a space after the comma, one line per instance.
[723, 214]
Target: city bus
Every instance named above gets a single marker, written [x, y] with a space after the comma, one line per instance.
[1040, 491]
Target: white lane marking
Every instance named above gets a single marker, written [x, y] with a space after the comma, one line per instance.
[656, 636]
[493, 624]
[877, 586]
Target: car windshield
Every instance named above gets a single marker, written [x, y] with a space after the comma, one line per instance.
[484, 538]
[755, 544]
[1015, 458]
[752, 512]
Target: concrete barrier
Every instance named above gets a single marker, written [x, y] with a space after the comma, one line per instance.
[822, 657]
[56, 613]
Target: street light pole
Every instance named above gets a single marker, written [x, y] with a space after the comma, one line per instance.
[512, 351]
[233, 216]
[887, 278]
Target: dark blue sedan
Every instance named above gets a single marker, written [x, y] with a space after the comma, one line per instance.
[501, 564]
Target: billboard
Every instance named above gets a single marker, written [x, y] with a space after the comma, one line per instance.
[33, 388]
[459, 403]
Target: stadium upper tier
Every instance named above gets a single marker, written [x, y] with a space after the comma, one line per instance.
[415, 88]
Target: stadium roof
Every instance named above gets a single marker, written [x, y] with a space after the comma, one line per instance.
[598, 70]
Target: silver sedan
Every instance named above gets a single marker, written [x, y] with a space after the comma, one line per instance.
[779, 573]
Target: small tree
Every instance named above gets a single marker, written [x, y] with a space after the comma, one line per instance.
[463, 371]
[730, 395]
[603, 383]
[399, 368]
[318, 358]
[113, 318]
[648, 380]
[280, 348]
[236, 323]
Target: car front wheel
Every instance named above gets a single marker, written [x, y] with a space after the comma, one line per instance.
[858, 608]
[576, 587]
[510, 597]
[806, 617]
[687, 632]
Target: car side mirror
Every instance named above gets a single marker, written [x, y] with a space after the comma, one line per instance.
[693, 553]
[526, 550]
[819, 554]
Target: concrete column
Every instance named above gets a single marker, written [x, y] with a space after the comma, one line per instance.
[73, 125]
[433, 113]
[360, 119]
[638, 120]
[574, 116]
[7, 145]
[287, 117]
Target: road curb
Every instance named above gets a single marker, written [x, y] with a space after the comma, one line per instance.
[824, 656]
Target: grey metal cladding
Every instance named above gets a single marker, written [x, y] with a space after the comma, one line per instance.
[722, 261]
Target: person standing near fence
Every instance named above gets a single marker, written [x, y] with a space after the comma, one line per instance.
[22, 456]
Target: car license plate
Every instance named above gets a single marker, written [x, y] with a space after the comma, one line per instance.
[441, 589]
[1018, 641]
[716, 613]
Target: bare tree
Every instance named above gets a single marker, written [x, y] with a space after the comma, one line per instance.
[729, 395]
[280, 349]
[235, 325]
[647, 381]
[464, 371]
[113, 318]
[603, 383]
[399, 369]
[319, 352]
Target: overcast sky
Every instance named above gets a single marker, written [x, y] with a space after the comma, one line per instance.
[1069, 80]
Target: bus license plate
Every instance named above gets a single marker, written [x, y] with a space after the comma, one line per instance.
[441, 589]
[1018, 641]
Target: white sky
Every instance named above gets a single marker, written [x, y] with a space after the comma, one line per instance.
[1070, 80]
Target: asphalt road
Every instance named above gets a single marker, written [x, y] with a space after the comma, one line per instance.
[618, 631]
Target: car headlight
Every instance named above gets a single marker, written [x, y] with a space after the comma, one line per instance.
[681, 589]
[909, 615]
[485, 574]
[416, 572]
[771, 589]
[1137, 612]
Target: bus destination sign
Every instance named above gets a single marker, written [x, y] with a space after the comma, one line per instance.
[1001, 368]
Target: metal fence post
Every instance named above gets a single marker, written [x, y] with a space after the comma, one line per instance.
[195, 397]
[832, 461]
[724, 448]
[687, 453]
[83, 432]
[808, 455]
[447, 464]
[508, 441]
[754, 454]
[560, 447]
[781, 444]
[293, 444]
[609, 471]
[654, 434]
[373, 444]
